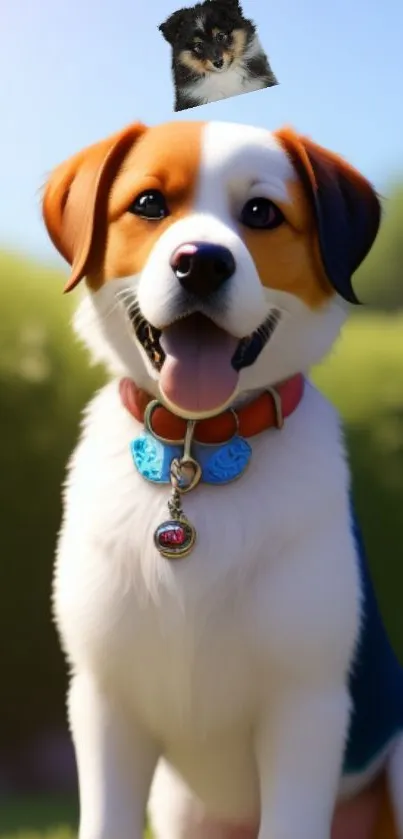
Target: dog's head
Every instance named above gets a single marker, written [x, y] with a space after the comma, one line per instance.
[209, 37]
[217, 257]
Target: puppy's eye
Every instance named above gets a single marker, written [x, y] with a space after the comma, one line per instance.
[198, 49]
[150, 205]
[222, 37]
[261, 214]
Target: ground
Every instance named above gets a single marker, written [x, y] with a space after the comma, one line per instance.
[38, 818]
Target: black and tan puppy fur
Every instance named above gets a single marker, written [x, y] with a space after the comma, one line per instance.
[216, 53]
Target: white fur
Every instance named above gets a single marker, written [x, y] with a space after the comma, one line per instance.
[230, 82]
[198, 654]
[230, 665]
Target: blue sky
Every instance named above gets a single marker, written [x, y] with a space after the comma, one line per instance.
[73, 72]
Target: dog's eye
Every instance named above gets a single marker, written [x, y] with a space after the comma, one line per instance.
[221, 37]
[150, 205]
[198, 49]
[261, 214]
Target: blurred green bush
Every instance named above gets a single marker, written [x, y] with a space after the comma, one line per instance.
[45, 380]
[379, 279]
[364, 378]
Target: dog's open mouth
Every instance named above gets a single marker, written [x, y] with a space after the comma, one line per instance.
[198, 362]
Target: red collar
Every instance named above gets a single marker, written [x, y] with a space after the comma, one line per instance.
[266, 411]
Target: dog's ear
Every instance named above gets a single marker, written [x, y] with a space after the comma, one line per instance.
[228, 6]
[75, 200]
[232, 4]
[171, 27]
[347, 208]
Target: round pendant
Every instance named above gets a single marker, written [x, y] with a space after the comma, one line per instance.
[175, 539]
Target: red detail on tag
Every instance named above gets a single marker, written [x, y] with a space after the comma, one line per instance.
[173, 536]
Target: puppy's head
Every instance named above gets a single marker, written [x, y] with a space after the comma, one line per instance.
[209, 37]
[217, 257]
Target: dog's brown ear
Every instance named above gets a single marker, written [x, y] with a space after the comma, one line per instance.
[75, 199]
[347, 208]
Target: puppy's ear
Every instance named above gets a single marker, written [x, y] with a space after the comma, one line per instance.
[172, 26]
[347, 208]
[227, 6]
[232, 4]
[75, 200]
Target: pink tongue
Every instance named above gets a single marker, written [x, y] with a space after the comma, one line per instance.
[197, 375]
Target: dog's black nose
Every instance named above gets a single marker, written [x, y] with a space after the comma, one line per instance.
[218, 63]
[202, 268]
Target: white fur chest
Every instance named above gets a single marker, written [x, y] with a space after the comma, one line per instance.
[191, 640]
[216, 86]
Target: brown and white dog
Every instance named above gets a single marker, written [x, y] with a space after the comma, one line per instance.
[218, 262]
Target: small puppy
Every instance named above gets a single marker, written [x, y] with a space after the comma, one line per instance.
[220, 625]
[216, 53]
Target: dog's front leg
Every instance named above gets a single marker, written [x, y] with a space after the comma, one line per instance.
[299, 753]
[115, 761]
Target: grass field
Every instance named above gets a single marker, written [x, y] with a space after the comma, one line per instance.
[38, 818]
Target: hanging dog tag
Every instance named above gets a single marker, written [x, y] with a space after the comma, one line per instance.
[183, 466]
[175, 538]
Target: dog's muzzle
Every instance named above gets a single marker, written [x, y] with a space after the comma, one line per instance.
[197, 360]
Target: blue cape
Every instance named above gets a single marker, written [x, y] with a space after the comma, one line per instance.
[376, 679]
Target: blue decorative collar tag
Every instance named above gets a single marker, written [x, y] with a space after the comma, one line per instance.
[183, 465]
[219, 464]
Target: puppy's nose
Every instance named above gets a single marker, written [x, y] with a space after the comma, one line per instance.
[202, 268]
[218, 63]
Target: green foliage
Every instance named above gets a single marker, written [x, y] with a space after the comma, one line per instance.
[379, 281]
[42, 391]
[364, 378]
